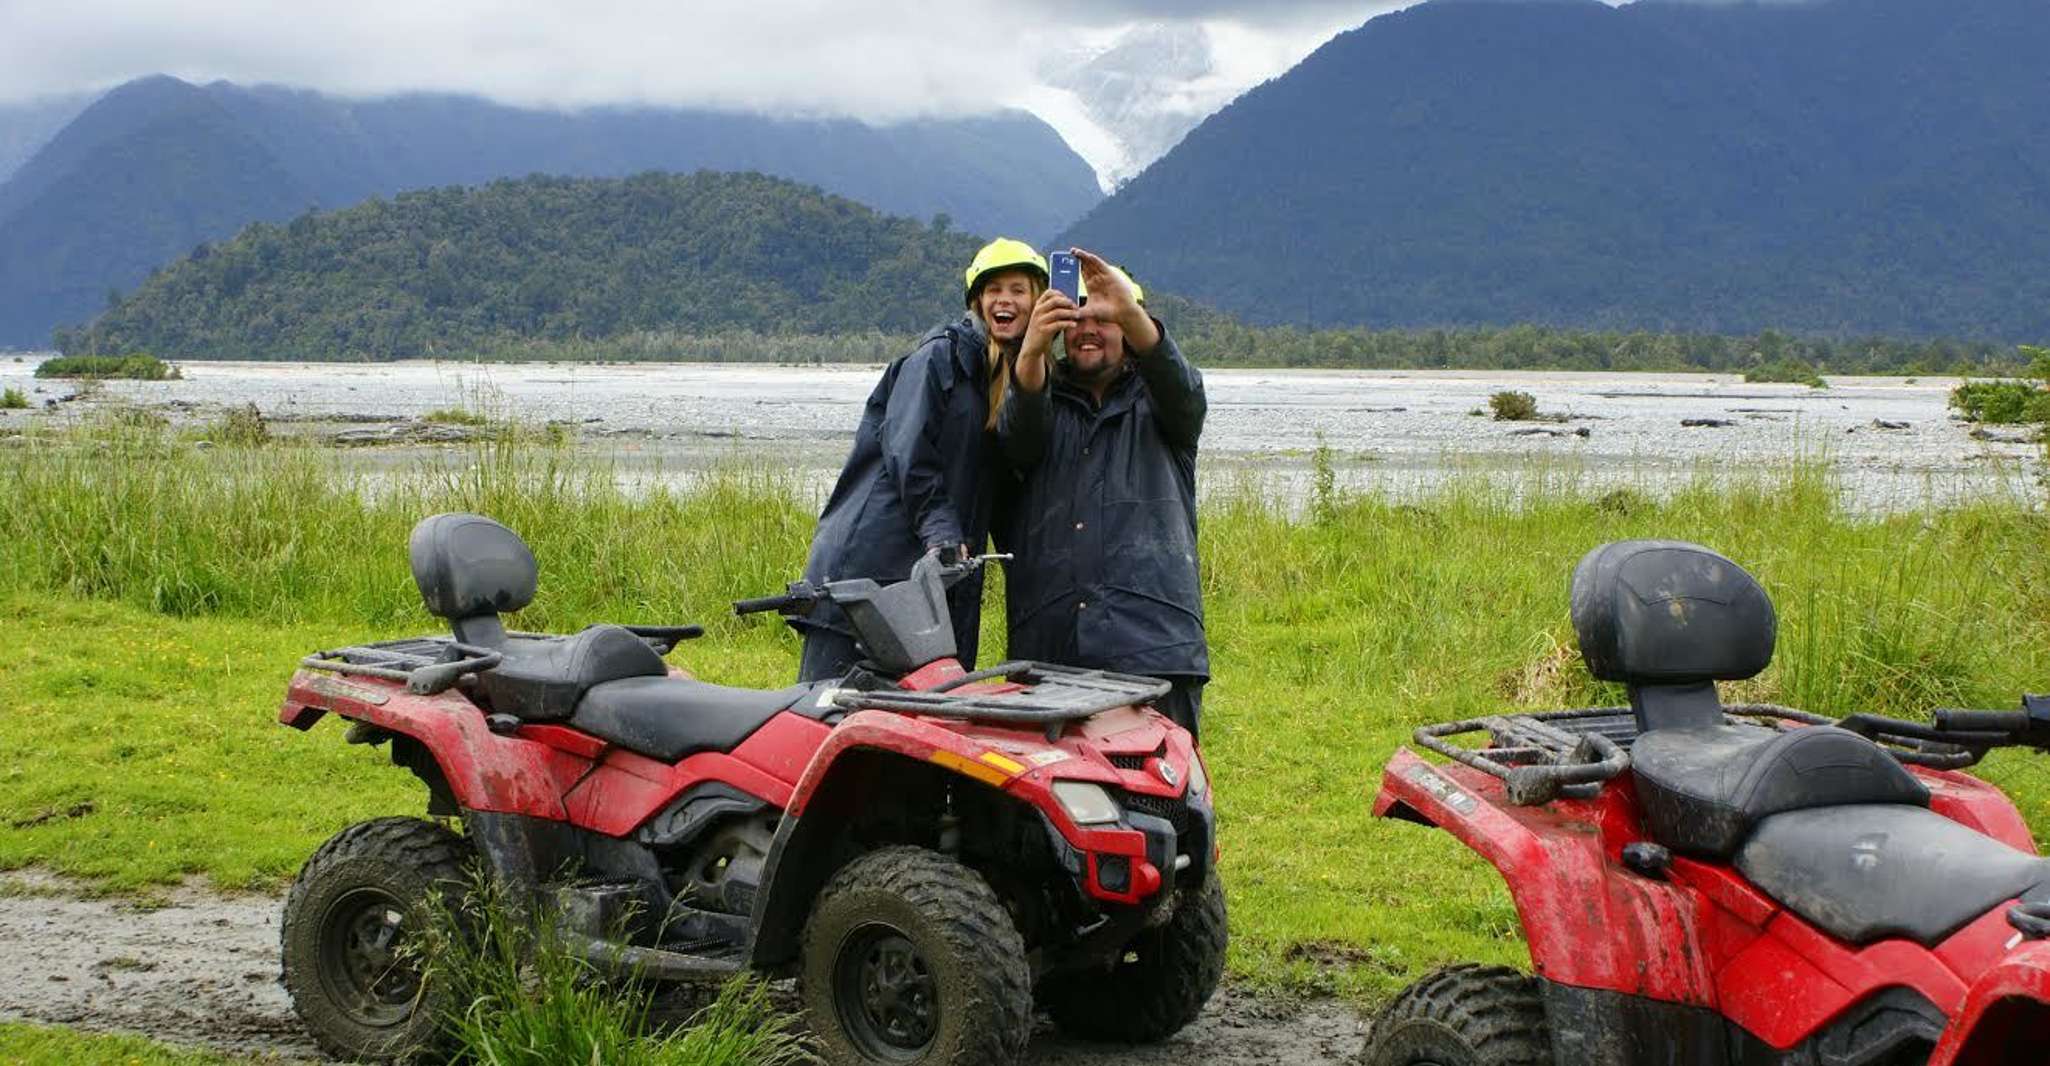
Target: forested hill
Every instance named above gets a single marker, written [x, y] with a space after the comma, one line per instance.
[441, 271]
[158, 165]
[1834, 167]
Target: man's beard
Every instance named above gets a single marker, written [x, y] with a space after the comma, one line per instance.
[1102, 373]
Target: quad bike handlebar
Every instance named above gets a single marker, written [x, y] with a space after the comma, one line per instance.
[1974, 731]
[801, 596]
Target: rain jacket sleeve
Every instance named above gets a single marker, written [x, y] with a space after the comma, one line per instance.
[1176, 388]
[911, 444]
[1023, 423]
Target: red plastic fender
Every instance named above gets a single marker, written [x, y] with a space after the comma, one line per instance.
[626, 789]
[2006, 1019]
[994, 757]
[485, 771]
[1971, 802]
[1585, 928]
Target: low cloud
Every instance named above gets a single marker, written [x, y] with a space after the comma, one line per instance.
[873, 60]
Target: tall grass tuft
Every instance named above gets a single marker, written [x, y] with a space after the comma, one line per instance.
[293, 534]
[511, 996]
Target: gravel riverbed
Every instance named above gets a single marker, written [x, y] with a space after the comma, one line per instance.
[1892, 441]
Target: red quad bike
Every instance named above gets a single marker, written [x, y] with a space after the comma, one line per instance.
[923, 847]
[1703, 885]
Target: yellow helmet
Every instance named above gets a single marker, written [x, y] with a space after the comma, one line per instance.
[1002, 254]
[1138, 294]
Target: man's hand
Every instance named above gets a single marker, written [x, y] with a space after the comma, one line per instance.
[1052, 316]
[1111, 300]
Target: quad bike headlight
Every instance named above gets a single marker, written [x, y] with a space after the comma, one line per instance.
[1086, 804]
[1199, 781]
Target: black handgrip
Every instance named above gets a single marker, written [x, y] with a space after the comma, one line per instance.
[430, 680]
[764, 603]
[1955, 721]
[2031, 920]
[672, 634]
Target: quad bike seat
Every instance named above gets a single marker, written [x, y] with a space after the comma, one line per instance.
[673, 718]
[1820, 819]
[1702, 790]
[542, 678]
[1872, 871]
[471, 569]
[1669, 620]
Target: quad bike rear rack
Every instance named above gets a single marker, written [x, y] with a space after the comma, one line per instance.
[428, 665]
[1544, 755]
[1058, 695]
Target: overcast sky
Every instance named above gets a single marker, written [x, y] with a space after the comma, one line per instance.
[873, 59]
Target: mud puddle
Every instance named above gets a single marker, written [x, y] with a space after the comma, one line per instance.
[198, 968]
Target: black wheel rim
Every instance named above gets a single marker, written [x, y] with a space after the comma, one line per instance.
[362, 964]
[887, 999]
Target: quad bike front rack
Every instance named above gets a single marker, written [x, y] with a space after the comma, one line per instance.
[1058, 695]
[1544, 755]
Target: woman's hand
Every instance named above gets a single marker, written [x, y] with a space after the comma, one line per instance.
[1111, 300]
[1052, 315]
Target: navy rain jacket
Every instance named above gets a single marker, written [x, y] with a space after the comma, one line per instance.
[916, 478]
[1103, 520]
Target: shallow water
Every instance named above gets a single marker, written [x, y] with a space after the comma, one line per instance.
[1397, 430]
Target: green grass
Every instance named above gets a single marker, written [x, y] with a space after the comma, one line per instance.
[137, 367]
[13, 399]
[161, 597]
[40, 1045]
[513, 996]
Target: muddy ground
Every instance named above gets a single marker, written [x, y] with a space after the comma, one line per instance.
[192, 967]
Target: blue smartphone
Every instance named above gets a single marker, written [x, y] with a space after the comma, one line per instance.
[1066, 275]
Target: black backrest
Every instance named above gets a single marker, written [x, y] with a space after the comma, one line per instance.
[1669, 619]
[470, 569]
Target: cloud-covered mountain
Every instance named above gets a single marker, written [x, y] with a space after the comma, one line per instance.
[159, 165]
[1124, 105]
[1843, 166]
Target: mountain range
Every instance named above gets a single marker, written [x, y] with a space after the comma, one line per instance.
[1836, 167]
[157, 166]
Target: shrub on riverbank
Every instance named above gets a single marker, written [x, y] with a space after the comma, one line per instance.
[130, 367]
[1511, 406]
[13, 400]
[1786, 372]
[2002, 403]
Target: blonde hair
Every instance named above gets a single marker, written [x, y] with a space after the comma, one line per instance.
[999, 361]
